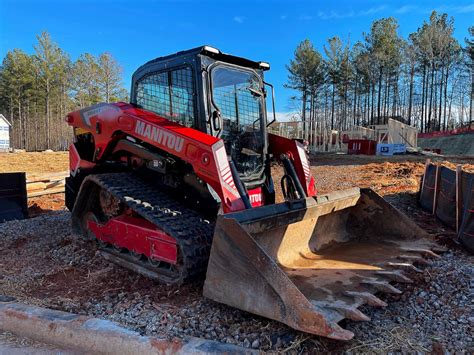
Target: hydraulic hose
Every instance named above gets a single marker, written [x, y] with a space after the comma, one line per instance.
[290, 171]
[240, 186]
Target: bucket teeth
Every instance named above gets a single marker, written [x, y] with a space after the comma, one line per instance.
[416, 258]
[406, 266]
[396, 276]
[422, 251]
[382, 286]
[349, 312]
[367, 297]
[438, 248]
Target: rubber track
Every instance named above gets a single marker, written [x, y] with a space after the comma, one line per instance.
[192, 233]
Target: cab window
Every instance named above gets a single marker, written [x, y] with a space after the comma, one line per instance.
[169, 94]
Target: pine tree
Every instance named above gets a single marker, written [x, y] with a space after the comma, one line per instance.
[470, 56]
[86, 85]
[52, 64]
[334, 58]
[16, 84]
[37, 91]
[302, 75]
[384, 45]
[109, 78]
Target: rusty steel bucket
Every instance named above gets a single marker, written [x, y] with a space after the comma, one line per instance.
[313, 262]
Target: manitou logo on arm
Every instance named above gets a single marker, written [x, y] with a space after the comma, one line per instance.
[159, 136]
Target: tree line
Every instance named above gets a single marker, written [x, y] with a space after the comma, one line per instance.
[425, 80]
[38, 90]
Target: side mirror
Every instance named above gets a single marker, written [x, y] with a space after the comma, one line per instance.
[216, 120]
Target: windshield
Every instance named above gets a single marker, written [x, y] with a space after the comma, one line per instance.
[237, 95]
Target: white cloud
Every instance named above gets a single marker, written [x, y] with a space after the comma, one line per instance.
[372, 10]
[333, 15]
[405, 8]
[449, 9]
[330, 15]
[239, 19]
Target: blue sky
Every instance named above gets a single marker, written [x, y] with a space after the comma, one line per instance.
[137, 31]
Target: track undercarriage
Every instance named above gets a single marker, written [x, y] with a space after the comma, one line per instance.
[151, 220]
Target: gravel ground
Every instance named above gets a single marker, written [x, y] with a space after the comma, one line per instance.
[41, 263]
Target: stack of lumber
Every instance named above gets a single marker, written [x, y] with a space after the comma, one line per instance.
[44, 184]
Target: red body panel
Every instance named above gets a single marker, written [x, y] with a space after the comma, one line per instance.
[137, 235]
[279, 145]
[75, 161]
[108, 122]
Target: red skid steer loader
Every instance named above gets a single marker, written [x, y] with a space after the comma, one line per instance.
[177, 184]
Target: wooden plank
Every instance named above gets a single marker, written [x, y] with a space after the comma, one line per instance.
[55, 184]
[55, 190]
[436, 188]
[458, 197]
[427, 164]
[406, 141]
[46, 176]
[35, 186]
[381, 139]
[45, 179]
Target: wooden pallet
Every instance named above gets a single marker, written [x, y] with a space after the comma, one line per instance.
[45, 184]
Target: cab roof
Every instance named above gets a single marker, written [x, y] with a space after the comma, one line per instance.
[216, 54]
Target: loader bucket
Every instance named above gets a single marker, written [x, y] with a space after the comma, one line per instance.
[313, 262]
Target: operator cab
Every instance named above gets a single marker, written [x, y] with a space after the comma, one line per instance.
[213, 92]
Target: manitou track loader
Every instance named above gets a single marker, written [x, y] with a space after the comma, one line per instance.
[177, 183]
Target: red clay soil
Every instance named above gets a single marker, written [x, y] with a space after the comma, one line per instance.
[34, 163]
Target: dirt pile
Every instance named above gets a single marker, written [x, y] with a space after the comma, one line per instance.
[389, 178]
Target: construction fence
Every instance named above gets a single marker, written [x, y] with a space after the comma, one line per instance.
[327, 140]
[449, 195]
[319, 140]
